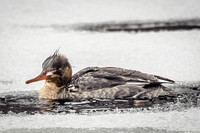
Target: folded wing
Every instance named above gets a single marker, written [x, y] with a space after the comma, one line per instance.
[92, 78]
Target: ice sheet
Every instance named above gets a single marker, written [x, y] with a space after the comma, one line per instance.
[170, 121]
[48, 12]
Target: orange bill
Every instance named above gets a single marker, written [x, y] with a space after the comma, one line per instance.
[38, 78]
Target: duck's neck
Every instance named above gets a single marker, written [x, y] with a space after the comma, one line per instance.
[49, 91]
[53, 85]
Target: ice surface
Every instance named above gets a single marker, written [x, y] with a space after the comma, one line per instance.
[48, 12]
[31, 31]
[172, 121]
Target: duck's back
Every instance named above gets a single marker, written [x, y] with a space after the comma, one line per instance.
[111, 82]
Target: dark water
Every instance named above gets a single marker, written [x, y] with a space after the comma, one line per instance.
[126, 26]
[28, 102]
[134, 26]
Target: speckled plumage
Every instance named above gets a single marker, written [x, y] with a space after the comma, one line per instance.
[97, 82]
[114, 83]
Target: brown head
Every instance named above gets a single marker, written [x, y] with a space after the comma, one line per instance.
[55, 69]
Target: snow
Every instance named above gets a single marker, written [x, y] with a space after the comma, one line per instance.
[47, 12]
[170, 121]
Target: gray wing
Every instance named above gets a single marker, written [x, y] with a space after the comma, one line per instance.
[92, 78]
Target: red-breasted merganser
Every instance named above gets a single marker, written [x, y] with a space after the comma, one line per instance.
[97, 82]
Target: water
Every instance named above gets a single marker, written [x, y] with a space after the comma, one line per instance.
[32, 30]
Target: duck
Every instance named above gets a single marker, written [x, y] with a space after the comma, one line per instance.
[97, 82]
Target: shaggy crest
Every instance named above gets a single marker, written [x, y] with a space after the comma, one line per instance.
[55, 61]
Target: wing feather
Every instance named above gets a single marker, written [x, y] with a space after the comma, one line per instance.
[102, 77]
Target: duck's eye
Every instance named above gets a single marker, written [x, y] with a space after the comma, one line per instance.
[58, 72]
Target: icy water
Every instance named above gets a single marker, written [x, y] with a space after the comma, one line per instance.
[163, 39]
[27, 102]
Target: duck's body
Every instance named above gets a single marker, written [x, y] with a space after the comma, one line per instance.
[98, 82]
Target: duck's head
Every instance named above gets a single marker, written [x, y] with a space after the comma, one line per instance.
[55, 69]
